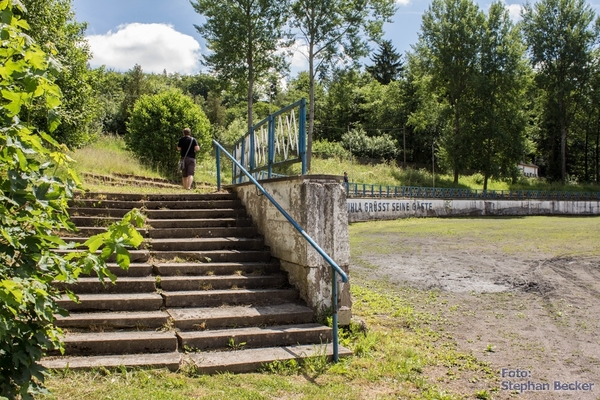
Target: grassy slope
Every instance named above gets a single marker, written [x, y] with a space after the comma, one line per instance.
[92, 159]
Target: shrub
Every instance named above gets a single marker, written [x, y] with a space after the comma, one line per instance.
[156, 124]
[377, 147]
[325, 148]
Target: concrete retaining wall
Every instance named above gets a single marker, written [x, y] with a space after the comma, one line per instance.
[367, 209]
[318, 204]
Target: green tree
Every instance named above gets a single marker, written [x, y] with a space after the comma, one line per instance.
[156, 124]
[500, 101]
[53, 26]
[387, 64]
[244, 37]
[560, 35]
[449, 48]
[336, 30]
[135, 85]
[33, 208]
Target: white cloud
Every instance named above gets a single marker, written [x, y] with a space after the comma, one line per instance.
[514, 10]
[155, 47]
[403, 2]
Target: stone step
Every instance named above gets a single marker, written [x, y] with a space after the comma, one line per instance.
[209, 232]
[93, 221]
[192, 204]
[134, 270]
[215, 268]
[200, 244]
[171, 360]
[196, 214]
[217, 256]
[113, 302]
[128, 342]
[252, 337]
[146, 284]
[250, 360]
[224, 221]
[225, 195]
[114, 320]
[240, 316]
[135, 256]
[221, 282]
[156, 204]
[97, 212]
[216, 298]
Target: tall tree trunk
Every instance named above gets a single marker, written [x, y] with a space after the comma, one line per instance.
[563, 141]
[311, 106]
[456, 135]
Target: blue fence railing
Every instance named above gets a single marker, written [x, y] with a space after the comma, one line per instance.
[335, 268]
[279, 139]
[368, 190]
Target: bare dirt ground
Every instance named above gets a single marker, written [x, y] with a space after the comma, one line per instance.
[535, 319]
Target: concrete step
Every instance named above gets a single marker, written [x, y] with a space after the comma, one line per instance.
[224, 195]
[209, 256]
[216, 298]
[134, 270]
[215, 268]
[167, 223]
[114, 320]
[192, 204]
[209, 232]
[252, 337]
[250, 360]
[113, 302]
[171, 360]
[146, 284]
[221, 282]
[240, 316]
[135, 256]
[128, 342]
[201, 244]
[93, 221]
[97, 212]
[196, 214]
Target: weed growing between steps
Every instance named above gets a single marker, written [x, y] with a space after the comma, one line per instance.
[391, 357]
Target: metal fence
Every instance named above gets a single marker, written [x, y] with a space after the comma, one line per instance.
[367, 190]
[279, 139]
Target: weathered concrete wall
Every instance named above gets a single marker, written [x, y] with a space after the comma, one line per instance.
[372, 209]
[318, 204]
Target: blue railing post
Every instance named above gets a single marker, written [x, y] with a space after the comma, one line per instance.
[271, 147]
[252, 151]
[302, 133]
[242, 159]
[218, 157]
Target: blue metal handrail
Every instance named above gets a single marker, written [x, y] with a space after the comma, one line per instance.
[368, 190]
[335, 268]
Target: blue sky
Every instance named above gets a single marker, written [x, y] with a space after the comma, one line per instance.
[160, 35]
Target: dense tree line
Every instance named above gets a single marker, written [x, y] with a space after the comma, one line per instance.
[478, 90]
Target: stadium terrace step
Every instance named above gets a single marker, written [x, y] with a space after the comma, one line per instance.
[253, 337]
[253, 359]
[239, 316]
[215, 268]
[204, 281]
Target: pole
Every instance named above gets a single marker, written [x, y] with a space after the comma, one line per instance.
[404, 140]
[433, 162]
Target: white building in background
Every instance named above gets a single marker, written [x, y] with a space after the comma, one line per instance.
[529, 170]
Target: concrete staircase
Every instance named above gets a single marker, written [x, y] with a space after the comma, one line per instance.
[203, 291]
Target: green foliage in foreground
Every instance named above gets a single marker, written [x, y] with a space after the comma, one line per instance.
[33, 209]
